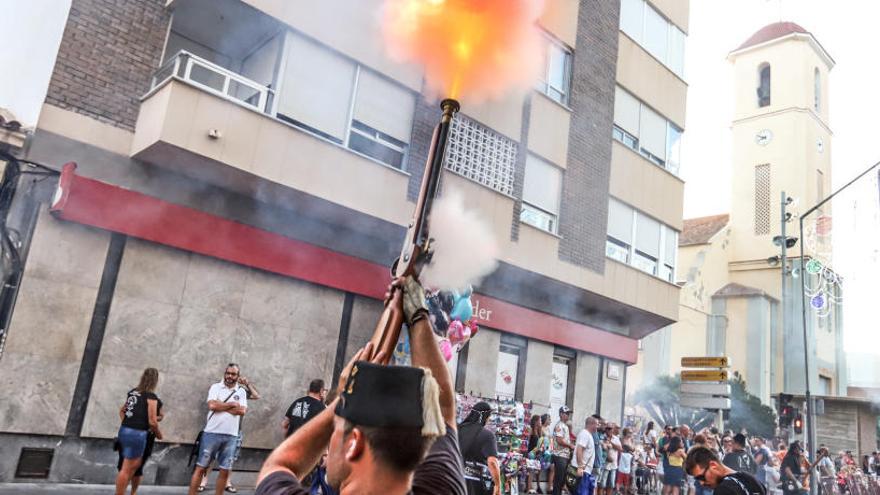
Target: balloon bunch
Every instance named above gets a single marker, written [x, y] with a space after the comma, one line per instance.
[452, 315]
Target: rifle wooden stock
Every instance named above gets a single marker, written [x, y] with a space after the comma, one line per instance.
[416, 250]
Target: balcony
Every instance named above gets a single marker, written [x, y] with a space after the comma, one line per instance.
[214, 79]
[216, 111]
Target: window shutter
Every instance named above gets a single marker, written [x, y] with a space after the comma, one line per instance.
[648, 235]
[656, 34]
[671, 246]
[652, 134]
[620, 218]
[542, 184]
[626, 111]
[317, 87]
[631, 14]
[384, 105]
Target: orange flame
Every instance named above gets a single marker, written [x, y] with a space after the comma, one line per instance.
[475, 49]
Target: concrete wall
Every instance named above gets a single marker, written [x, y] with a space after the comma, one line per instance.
[482, 363]
[539, 371]
[588, 369]
[47, 335]
[189, 315]
[612, 392]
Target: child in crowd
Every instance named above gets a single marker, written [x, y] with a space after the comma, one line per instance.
[624, 470]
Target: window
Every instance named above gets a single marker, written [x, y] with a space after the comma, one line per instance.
[640, 241]
[562, 380]
[350, 105]
[556, 77]
[381, 119]
[643, 130]
[542, 189]
[817, 89]
[510, 374]
[764, 85]
[659, 37]
[317, 89]
[478, 153]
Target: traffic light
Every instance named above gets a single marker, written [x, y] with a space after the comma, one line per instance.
[786, 411]
[799, 424]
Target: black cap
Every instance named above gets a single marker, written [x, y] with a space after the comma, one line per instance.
[383, 396]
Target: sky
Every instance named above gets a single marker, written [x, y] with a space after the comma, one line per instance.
[845, 28]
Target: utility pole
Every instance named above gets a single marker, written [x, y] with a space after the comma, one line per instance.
[783, 202]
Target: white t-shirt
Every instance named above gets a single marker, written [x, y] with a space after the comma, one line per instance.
[585, 440]
[611, 456]
[625, 464]
[221, 421]
[652, 437]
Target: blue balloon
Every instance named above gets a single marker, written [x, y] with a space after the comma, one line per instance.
[462, 308]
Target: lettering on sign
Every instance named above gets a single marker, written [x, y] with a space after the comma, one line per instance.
[481, 313]
[705, 362]
[704, 376]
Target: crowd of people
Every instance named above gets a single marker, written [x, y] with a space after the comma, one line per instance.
[392, 430]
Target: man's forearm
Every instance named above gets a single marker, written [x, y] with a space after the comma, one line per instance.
[426, 354]
[300, 453]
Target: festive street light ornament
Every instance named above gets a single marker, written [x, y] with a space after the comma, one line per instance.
[814, 266]
[818, 301]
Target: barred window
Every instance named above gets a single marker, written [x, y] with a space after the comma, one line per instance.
[762, 199]
[481, 154]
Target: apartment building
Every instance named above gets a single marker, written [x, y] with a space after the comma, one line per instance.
[235, 180]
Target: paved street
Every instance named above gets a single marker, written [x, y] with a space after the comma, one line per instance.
[40, 488]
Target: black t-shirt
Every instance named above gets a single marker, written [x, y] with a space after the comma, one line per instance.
[739, 484]
[477, 443]
[793, 463]
[302, 410]
[533, 442]
[742, 461]
[135, 411]
[439, 473]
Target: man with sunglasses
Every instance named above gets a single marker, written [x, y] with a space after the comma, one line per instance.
[227, 403]
[705, 467]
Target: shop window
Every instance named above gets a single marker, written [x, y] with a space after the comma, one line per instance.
[510, 374]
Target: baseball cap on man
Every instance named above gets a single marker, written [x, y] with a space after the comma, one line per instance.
[564, 410]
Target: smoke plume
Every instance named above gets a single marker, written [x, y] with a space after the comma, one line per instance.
[471, 49]
[464, 249]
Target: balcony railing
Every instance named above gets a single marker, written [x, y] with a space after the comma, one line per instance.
[214, 79]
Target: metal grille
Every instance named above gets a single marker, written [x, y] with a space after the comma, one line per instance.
[34, 463]
[481, 154]
[762, 199]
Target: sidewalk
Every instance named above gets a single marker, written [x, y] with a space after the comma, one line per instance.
[73, 489]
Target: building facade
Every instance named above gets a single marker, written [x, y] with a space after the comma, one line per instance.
[235, 178]
[730, 270]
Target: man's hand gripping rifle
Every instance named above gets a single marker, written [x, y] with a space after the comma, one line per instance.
[416, 251]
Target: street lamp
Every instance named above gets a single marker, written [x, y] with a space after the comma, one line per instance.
[811, 410]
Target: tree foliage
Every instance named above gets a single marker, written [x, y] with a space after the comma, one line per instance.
[660, 399]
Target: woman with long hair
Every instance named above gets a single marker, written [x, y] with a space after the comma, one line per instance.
[651, 435]
[548, 437]
[536, 451]
[673, 474]
[139, 415]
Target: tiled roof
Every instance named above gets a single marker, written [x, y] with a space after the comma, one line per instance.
[771, 32]
[700, 230]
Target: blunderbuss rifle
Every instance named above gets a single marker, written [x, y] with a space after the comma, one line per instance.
[417, 250]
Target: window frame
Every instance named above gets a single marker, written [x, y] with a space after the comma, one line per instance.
[658, 266]
[634, 142]
[516, 345]
[640, 38]
[544, 85]
[765, 99]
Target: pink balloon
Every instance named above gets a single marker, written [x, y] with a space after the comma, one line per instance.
[455, 331]
[446, 349]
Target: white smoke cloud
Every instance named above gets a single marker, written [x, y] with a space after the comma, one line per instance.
[464, 248]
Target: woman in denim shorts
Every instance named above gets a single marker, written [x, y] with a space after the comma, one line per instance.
[139, 415]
